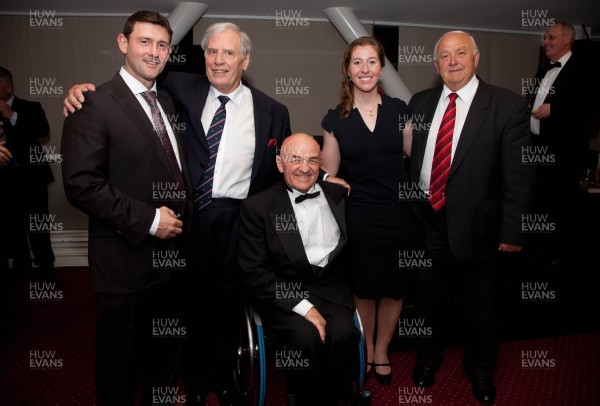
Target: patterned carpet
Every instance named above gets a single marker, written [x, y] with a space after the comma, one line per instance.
[49, 360]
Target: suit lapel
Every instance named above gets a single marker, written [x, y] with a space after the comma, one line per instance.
[167, 105]
[473, 121]
[196, 100]
[564, 73]
[262, 124]
[286, 228]
[289, 236]
[131, 106]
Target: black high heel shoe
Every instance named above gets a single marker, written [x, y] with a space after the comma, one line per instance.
[383, 379]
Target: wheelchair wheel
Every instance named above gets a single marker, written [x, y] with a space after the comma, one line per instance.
[362, 350]
[251, 367]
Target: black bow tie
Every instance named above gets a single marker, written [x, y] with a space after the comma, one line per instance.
[303, 197]
[554, 65]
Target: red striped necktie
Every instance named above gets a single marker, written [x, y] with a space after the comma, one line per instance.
[442, 156]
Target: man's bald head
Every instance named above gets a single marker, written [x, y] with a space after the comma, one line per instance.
[299, 160]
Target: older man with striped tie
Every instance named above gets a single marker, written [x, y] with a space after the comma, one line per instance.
[467, 156]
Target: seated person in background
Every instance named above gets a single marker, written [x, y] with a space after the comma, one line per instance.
[291, 240]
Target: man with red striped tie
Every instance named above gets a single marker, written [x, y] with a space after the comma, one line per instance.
[466, 155]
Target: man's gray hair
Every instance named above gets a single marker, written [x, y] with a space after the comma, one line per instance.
[245, 43]
[473, 43]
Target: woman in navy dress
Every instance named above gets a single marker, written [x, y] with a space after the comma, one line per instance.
[363, 144]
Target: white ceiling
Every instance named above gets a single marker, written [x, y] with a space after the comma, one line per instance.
[506, 15]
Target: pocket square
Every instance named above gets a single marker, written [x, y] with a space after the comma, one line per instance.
[272, 143]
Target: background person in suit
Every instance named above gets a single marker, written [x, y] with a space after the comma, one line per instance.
[560, 128]
[475, 214]
[239, 164]
[118, 151]
[24, 124]
[291, 241]
[7, 288]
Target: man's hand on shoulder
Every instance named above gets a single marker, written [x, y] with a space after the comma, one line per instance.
[75, 97]
[338, 181]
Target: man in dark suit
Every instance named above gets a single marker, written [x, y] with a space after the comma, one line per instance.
[291, 241]
[255, 125]
[123, 167]
[560, 125]
[477, 195]
[238, 164]
[24, 124]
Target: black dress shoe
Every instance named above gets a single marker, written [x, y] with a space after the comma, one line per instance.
[423, 375]
[195, 400]
[484, 390]
[229, 397]
[196, 397]
[383, 379]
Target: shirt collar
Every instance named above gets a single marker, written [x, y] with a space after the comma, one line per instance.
[235, 96]
[564, 59]
[11, 101]
[465, 93]
[133, 84]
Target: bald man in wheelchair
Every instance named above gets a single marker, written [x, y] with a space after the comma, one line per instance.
[290, 251]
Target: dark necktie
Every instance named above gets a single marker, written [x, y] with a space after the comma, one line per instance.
[161, 130]
[301, 198]
[203, 192]
[440, 167]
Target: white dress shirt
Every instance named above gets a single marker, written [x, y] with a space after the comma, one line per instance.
[318, 229]
[544, 89]
[463, 103]
[233, 168]
[13, 119]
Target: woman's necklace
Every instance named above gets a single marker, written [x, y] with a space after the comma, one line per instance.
[367, 110]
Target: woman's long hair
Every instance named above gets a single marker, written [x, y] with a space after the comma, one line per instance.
[347, 98]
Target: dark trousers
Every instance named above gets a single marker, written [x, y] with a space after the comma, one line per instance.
[474, 285]
[557, 200]
[138, 338]
[33, 233]
[214, 298]
[317, 372]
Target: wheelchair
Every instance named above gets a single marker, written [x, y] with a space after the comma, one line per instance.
[251, 365]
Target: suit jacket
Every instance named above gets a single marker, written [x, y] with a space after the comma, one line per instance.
[23, 140]
[488, 188]
[566, 131]
[272, 258]
[116, 171]
[271, 120]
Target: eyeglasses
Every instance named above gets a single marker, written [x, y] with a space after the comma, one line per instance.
[296, 160]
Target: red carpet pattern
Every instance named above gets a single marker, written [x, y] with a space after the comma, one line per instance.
[49, 361]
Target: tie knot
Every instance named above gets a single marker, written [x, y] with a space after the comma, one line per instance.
[149, 96]
[223, 100]
[452, 97]
[554, 65]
